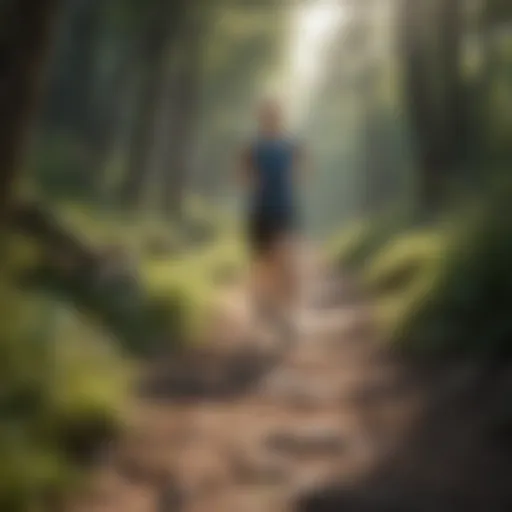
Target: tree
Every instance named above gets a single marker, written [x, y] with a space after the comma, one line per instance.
[162, 25]
[434, 93]
[183, 98]
[26, 36]
[69, 106]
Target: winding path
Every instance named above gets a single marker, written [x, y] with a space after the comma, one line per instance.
[336, 423]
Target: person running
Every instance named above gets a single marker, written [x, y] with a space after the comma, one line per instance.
[269, 175]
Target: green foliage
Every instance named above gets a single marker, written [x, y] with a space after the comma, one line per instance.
[348, 246]
[185, 287]
[353, 246]
[160, 285]
[403, 259]
[402, 275]
[61, 166]
[62, 394]
[449, 290]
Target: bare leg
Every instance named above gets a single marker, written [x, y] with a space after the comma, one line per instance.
[286, 293]
[264, 285]
[262, 279]
[287, 271]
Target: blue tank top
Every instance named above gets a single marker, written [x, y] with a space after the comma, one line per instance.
[273, 161]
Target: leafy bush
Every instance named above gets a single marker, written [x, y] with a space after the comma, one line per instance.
[149, 298]
[185, 287]
[404, 260]
[450, 290]
[62, 391]
[347, 247]
[402, 275]
[355, 245]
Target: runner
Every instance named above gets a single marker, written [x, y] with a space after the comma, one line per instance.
[269, 173]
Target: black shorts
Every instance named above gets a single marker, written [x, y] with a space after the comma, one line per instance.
[264, 229]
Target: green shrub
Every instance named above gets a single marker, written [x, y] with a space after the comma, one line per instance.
[185, 287]
[62, 393]
[163, 294]
[403, 274]
[404, 261]
[450, 290]
[355, 245]
[348, 246]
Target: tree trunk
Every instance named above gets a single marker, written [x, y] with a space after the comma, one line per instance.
[108, 116]
[483, 92]
[71, 86]
[450, 22]
[420, 106]
[175, 165]
[152, 60]
[437, 117]
[25, 44]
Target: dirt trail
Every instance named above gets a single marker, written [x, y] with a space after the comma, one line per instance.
[335, 423]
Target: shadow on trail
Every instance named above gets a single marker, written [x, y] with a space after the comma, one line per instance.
[455, 457]
[208, 375]
[221, 373]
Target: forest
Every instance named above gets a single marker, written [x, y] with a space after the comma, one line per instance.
[120, 217]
